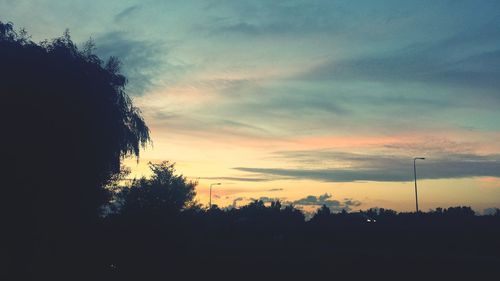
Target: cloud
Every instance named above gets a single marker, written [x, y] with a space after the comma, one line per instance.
[278, 18]
[307, 203]
[434, 146]
[275, 18]
[236, 200]
[325, 199]
[144, 62]
[127, 12]
[383, 168]
[473, 71]
[275, 189]
[468, 58]
[266, 199]
[248, 179]
[193, 124]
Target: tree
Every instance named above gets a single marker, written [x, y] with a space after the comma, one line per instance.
[497, 212]
[386, 213]
[276, 205]
[293, 214]
[67, 123]
[322, 214]
[164, 194]
[323, 211]
[460, 211]
[66, 113]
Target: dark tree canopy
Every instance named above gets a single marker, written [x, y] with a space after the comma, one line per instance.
[166, 193]
[67, 123]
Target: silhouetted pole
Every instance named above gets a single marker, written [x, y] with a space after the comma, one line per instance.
[210, 202]
[415, 173]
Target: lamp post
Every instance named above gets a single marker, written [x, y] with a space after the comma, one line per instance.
[210, 202]
[415, 174]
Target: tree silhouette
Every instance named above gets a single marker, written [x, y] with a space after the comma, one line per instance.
[497, 212]
[384, 213]
[67, 111]
[165, 193]
[460, 211]
[67, 123]
[323, 215]
[323, 211]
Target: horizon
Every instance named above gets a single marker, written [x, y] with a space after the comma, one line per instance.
[292, 101]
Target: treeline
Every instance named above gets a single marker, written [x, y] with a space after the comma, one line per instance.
[161, 233]
[167, 194]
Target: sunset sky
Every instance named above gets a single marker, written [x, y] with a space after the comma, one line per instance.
[311, 102]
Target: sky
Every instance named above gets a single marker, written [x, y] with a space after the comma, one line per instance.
[310, 102]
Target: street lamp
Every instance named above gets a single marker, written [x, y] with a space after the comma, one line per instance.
[210, 202]
[415, 173]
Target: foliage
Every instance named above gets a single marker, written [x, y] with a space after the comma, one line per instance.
[163, 194]
[67, 122]
[459, 211]
[66, 110]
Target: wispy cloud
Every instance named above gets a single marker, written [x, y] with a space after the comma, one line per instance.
[327, 200]
[144, 62]
[236, 200]
[127, 12]
[249, 179]
[383, 168]
[467, 58]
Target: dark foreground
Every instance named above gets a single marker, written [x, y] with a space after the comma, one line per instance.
[218, 244]
[401, 249]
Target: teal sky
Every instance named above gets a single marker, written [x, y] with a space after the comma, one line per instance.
[290, 99]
